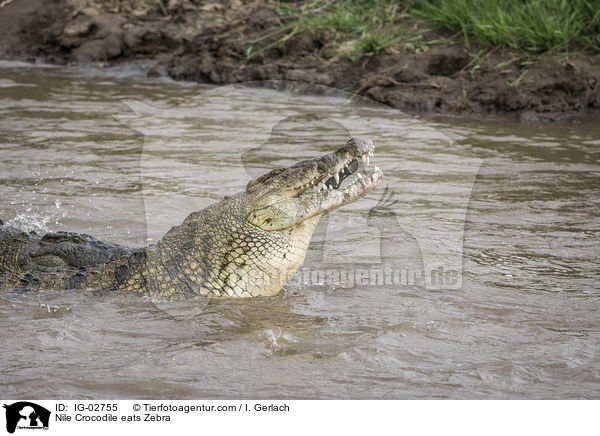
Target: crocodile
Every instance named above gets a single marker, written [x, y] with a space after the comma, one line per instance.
[246, 245]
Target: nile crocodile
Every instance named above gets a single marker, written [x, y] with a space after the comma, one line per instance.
[245, 245]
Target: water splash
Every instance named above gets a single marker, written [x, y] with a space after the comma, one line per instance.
[31, 222]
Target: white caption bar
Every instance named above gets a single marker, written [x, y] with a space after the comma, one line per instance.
[155, 417]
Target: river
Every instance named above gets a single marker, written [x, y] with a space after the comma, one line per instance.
[502, 217]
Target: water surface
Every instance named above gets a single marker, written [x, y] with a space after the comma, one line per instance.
[512, 208]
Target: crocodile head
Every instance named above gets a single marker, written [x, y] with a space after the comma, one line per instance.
[286, 197]
[251, 243]
[285, 205]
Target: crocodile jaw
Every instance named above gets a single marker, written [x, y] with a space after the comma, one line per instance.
[288, 196]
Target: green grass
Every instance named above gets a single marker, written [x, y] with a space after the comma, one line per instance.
[529, 25]
[370, 25]
[365, 28]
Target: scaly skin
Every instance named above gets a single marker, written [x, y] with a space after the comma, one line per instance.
[246, 245]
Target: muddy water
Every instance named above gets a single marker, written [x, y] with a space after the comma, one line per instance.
[501, 218]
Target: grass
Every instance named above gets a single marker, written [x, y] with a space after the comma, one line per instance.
[364, 28]
[528, 25]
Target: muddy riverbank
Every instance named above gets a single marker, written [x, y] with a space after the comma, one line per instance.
[230, 41]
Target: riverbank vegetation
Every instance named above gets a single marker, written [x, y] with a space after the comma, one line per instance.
[532, 26]
[529, 25]
[539, 59]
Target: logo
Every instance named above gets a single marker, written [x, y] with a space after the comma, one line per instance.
[26, 415]
[412, 237]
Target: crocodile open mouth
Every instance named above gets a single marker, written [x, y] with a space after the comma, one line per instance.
[344, 174]
[287, 197]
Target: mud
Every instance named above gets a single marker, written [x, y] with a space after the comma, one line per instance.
[230, 41]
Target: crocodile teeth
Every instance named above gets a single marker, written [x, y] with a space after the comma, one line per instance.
[367, 161]
[337, 178]
[359, 175]
[364, 158]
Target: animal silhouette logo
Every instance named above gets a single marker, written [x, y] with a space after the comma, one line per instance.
[26, 415]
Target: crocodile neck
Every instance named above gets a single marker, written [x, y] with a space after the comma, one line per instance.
[119, 274]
